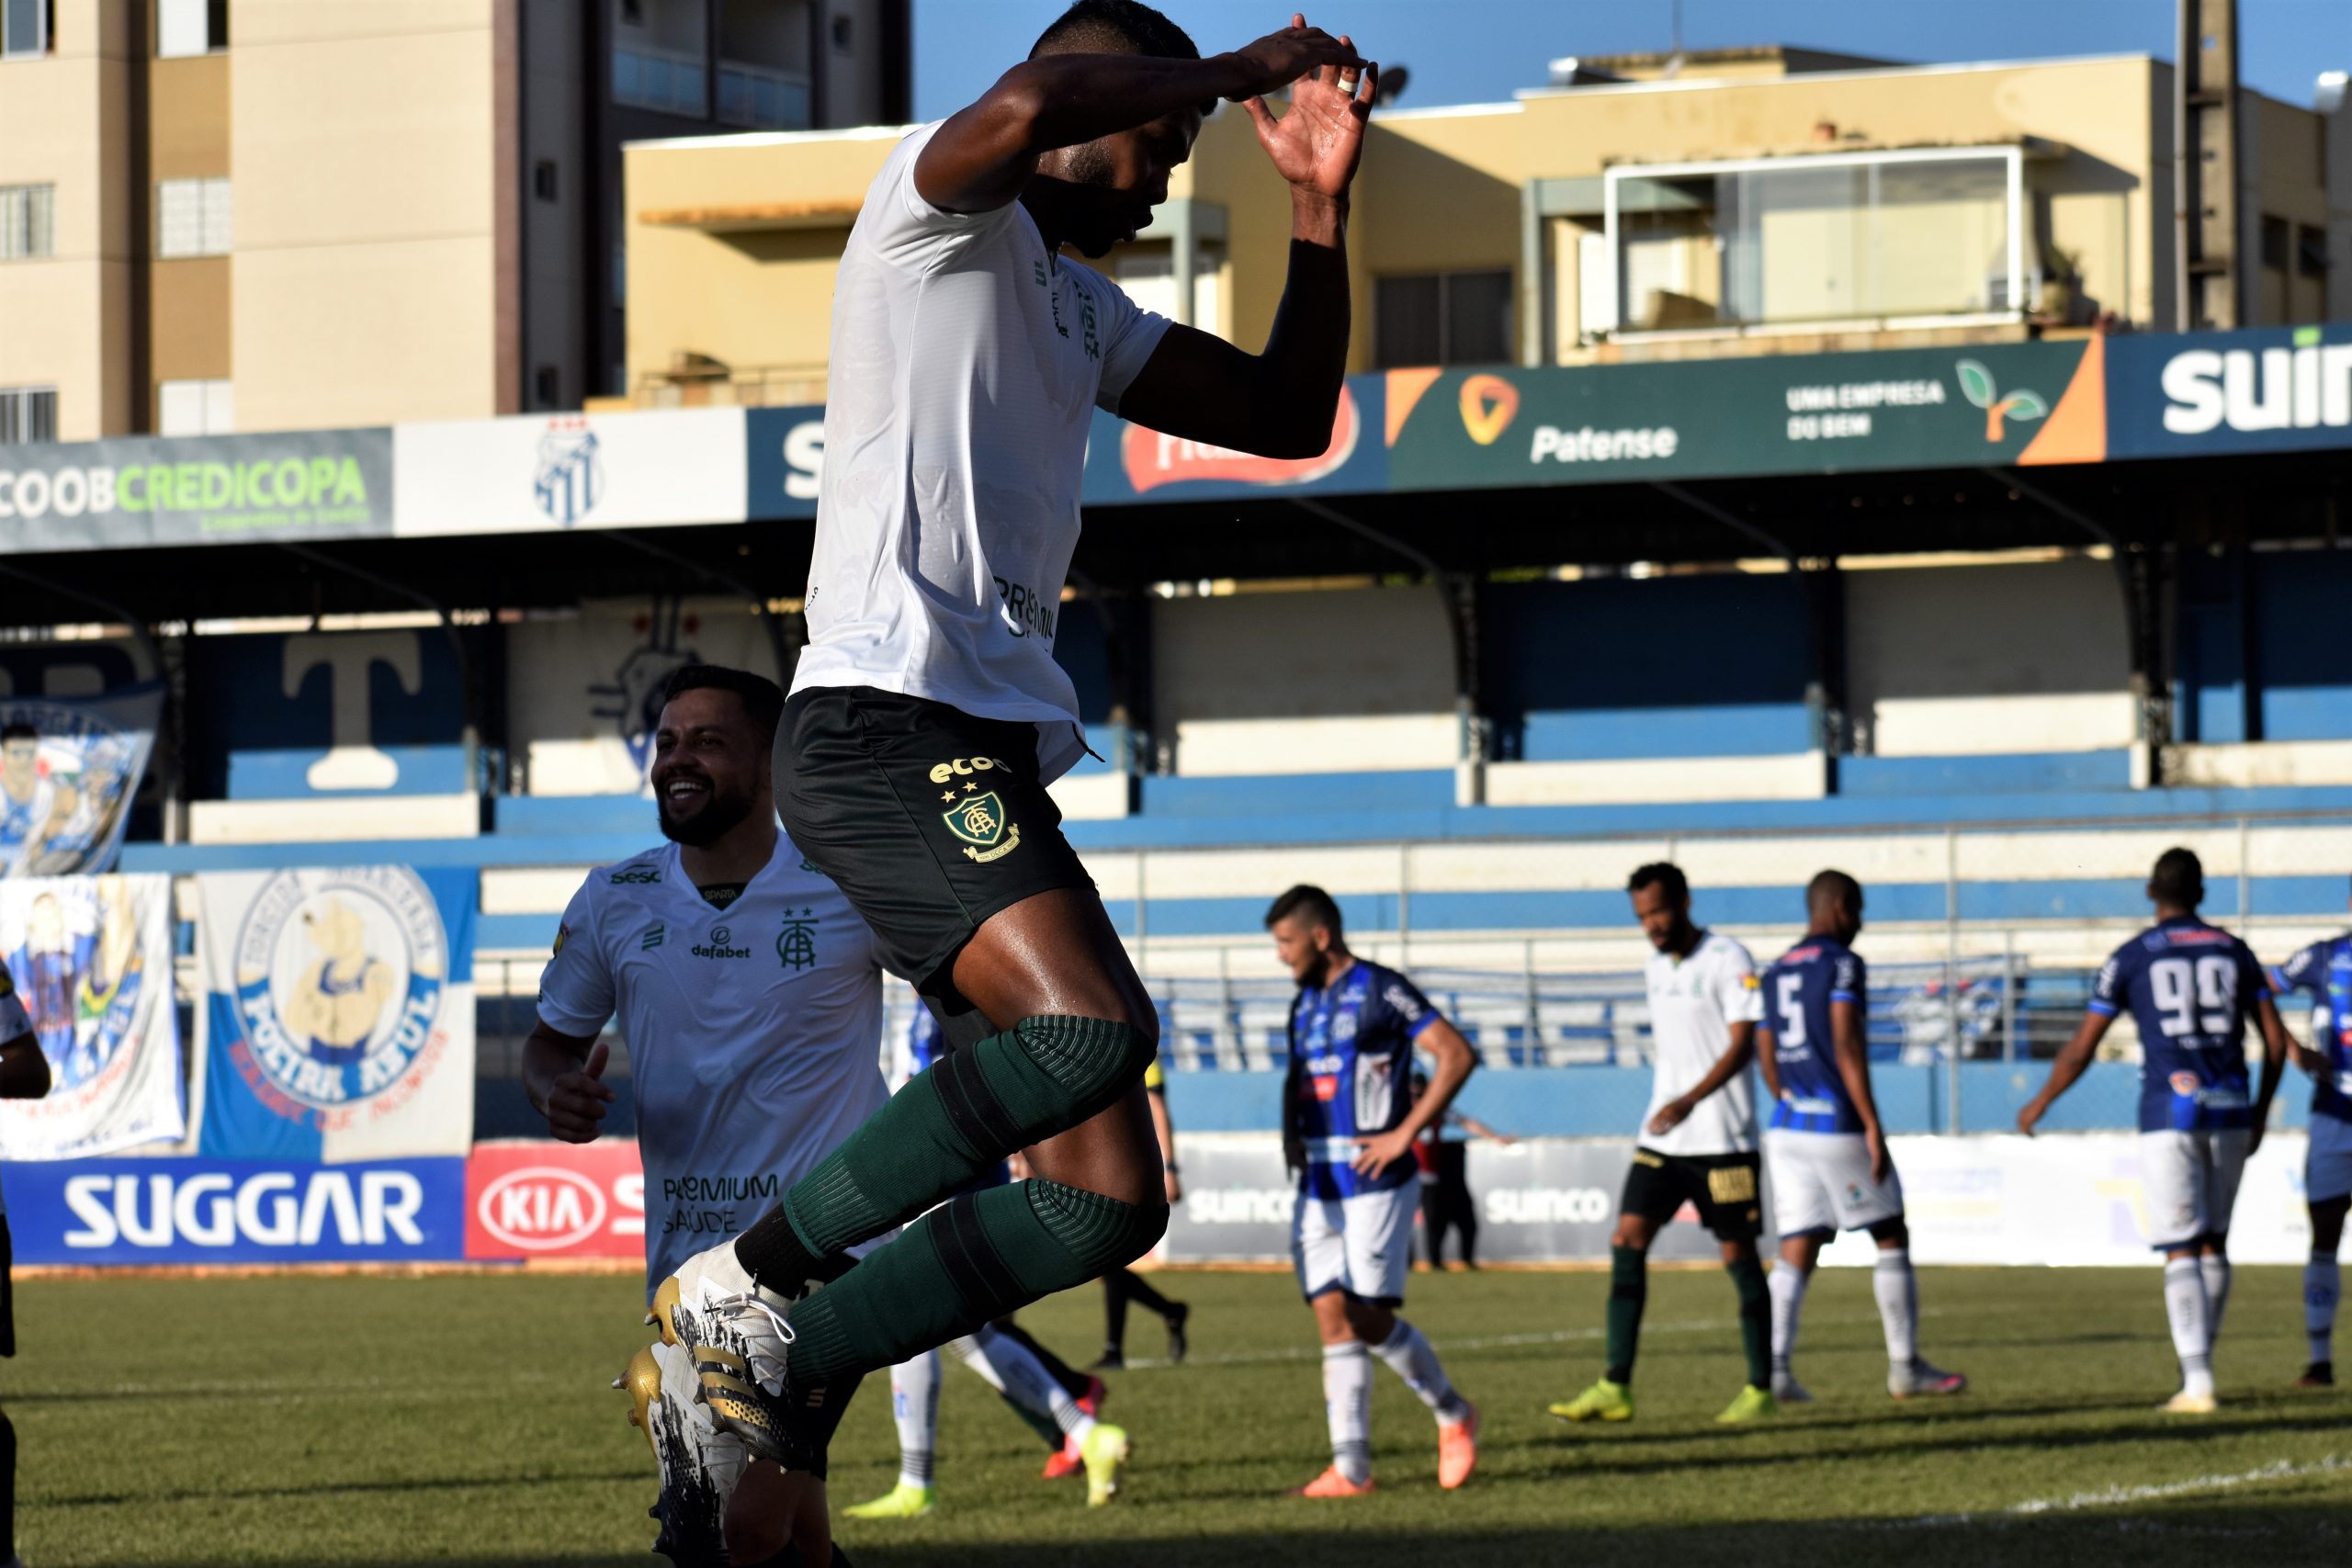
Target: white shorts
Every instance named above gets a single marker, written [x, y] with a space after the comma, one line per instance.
[2327, 1164]
[1821, 1182]
[2190, 1182]
[1361, 1245]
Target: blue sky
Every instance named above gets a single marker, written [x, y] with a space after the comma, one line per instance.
[1464, 51]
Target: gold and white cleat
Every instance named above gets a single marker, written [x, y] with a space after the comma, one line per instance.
[700, 1461]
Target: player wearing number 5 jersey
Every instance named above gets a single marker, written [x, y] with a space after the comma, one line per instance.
[2191, 988]
[1824, 1149]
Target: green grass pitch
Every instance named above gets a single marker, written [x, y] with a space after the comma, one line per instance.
[351, 1421]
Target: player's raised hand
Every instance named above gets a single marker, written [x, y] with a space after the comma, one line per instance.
[1282, 58]
[576, 1101]
[1316, 144]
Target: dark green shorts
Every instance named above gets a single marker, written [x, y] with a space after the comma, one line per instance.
[1726, 1189]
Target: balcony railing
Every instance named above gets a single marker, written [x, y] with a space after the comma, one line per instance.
[752, 385]
[761, 98]
[672, 81]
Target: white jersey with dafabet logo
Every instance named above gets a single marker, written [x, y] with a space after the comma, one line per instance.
[1693, 1003]
[755, 1032]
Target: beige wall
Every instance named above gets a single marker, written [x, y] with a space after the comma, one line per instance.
[754, 298]
[189, 309]
[64, 320]
[1441, 190]
[364, 288]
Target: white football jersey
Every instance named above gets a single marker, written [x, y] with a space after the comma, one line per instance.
[968, 361]
[755, 1032]
[1693, 1003]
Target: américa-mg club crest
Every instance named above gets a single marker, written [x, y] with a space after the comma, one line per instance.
[979, 820]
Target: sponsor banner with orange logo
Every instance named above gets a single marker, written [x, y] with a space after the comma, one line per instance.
[1999, 403]
[539, 1199]
[1126, 462]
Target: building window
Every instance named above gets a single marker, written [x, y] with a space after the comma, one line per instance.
[2310, 251]
[2277, 240]
[28, 413]
[543, 179]
[196, 407]
[193, 218]
[1443, 318]
[27, 28]
[844, 33]
[670, 81]
[547, 387]
[1821, 237]
[184, 27]
[28, 222]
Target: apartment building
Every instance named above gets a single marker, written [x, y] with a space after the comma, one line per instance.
[254, 215]
[1734, 201]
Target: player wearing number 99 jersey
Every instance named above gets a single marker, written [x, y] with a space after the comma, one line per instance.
[2191, 988]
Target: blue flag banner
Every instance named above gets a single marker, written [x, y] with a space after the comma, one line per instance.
[91, 958]
[68, 770]
[339, 1013]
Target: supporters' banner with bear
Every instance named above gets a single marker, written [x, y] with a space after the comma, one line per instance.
[67, 772]
[91, 960]
[339, 1011]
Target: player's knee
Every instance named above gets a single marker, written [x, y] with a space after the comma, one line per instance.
[1099, 1233]
[1094, 1060]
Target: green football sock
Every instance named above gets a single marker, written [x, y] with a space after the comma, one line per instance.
[1754, 1319]
[973, 1258]
[940, 1134]
[1629, 1289]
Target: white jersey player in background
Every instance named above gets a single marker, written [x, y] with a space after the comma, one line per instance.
[1698, 1141]
[733, 966]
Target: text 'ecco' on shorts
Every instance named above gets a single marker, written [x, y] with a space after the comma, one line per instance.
[929, 819]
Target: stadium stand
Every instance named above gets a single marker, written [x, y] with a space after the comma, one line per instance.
[1990, 816]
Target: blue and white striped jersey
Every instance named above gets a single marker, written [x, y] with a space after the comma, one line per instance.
[1798, 990]
[2191, 988]
[1351, 1073]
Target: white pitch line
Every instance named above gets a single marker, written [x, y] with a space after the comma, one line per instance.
[1479, 1342]
[2119, 1497]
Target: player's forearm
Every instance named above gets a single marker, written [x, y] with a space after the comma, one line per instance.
[2064, 1073]
[1728, 1066]
[1064, 99]
[1854, 1069]
[547, 1057]
[1446, 1080]
[1161, 1126]
[1305, 358]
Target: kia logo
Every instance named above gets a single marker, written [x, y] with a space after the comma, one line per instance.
[541, 1209]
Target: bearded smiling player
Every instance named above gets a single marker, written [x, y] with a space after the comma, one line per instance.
[928, 715]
